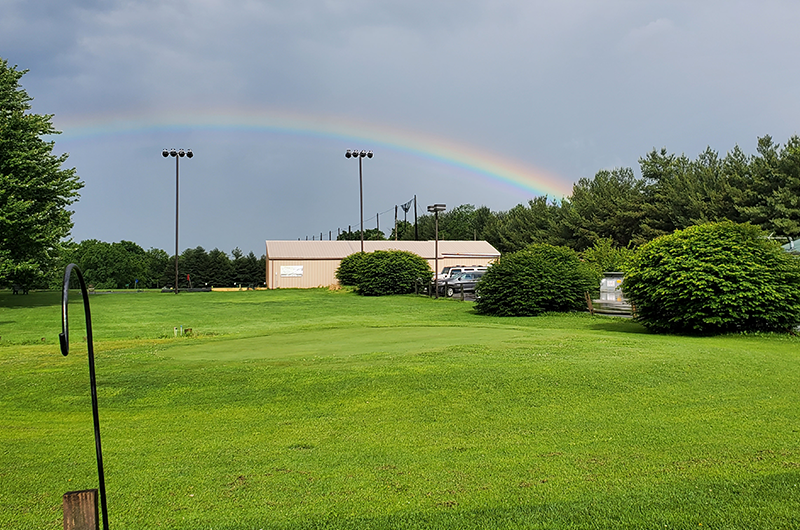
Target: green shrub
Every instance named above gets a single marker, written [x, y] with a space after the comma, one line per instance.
[390, 272]
[348, 270]
[604, 257]
[538, 279]
[714, 278]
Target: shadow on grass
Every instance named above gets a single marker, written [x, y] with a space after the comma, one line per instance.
[32, 299]
[618, 325]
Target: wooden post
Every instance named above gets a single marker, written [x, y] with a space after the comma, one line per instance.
[589, 303]
[80, 510]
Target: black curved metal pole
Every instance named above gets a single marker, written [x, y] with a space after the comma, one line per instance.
[63, 338]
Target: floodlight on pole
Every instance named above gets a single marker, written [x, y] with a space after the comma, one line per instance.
[177, 154]
[355, 153]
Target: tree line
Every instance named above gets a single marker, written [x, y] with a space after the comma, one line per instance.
[672, 193]
[126, 265]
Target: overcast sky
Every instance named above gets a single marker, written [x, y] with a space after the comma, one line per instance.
[463, 102]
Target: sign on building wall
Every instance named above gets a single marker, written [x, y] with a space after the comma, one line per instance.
[291, 271]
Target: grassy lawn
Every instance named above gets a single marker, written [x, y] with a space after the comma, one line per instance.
[318, 409]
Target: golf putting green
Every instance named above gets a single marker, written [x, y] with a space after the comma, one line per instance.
[342, 342]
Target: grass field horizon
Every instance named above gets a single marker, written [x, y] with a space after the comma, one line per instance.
[323, 409]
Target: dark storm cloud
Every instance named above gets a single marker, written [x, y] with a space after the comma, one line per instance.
[572, 87]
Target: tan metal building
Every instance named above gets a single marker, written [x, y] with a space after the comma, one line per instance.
[305, 264]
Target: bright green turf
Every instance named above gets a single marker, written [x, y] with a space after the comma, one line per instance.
[329, 342]
[317, 409]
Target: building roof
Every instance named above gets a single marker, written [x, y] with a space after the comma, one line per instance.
[340, 249]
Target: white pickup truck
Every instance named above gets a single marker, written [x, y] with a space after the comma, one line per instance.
[451, 272]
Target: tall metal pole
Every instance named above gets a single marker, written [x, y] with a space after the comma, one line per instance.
[361, 202]
[436, 256]
[360, 154]
[177, 154]
[177, 173]
[416, 234]
[435, 209]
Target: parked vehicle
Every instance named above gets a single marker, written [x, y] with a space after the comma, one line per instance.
[445, 274]
[464, 281]
[452, 272]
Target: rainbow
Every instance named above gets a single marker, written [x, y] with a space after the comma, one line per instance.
[488, 165]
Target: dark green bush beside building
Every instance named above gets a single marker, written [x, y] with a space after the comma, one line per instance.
[536, 280]
[349, 268]
[714, 278]
[383, 272]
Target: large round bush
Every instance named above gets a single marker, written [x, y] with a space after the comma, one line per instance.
[714, 278]
[390, 272]
[349, 268]
[538, 279]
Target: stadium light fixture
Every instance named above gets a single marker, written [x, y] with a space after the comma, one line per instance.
[177, 154]
[355, 153]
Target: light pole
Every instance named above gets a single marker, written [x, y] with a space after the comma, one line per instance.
[435, 209]
[177, 154]
[353, 153]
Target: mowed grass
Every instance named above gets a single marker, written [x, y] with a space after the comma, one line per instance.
[318, 409]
